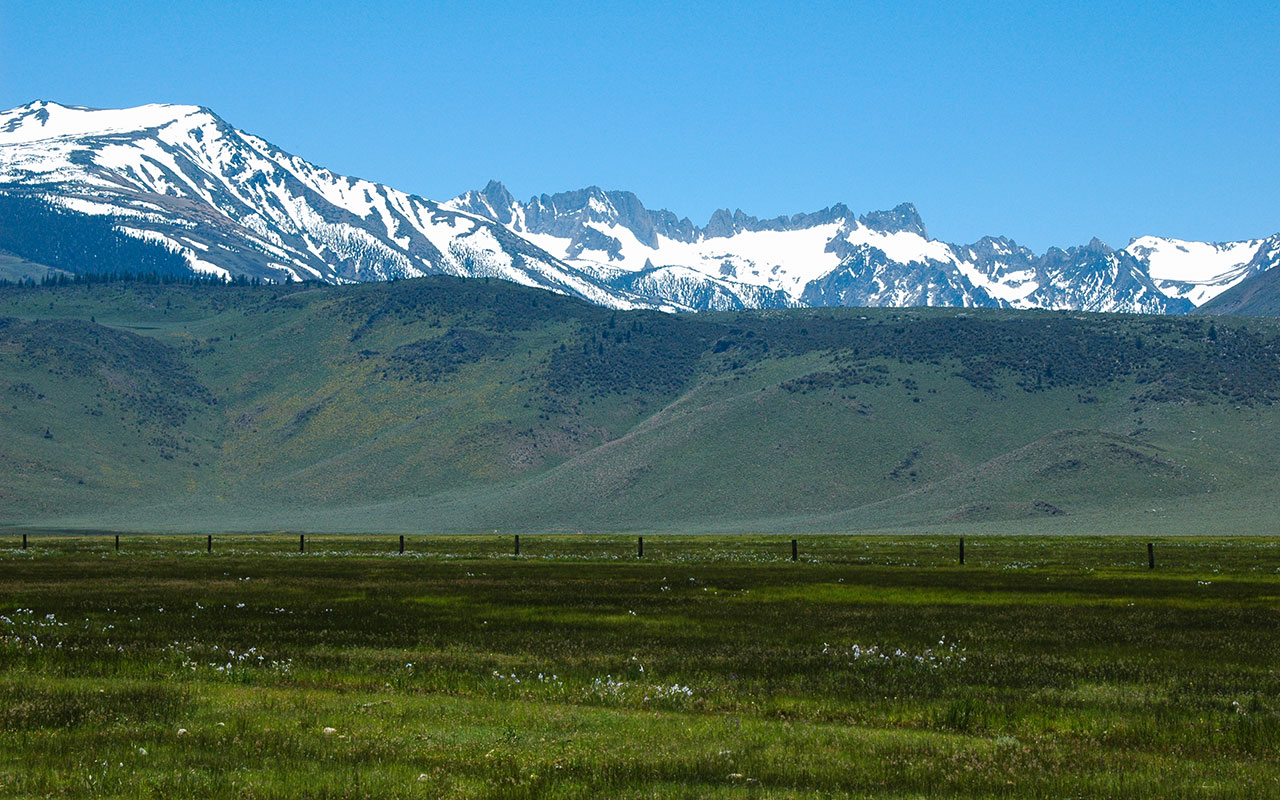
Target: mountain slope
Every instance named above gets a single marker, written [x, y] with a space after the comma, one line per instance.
[1257, 295]
[52, 239]
[441, 404]
[233, 204]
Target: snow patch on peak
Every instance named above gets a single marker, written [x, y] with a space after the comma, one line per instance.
[45, 120]
[1179, 260]
[902, 246]
[1198, 271]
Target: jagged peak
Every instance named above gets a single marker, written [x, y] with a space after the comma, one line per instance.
[1000, 240]
[493, 202]
[996, 248]
[724, 222]
[1096, 245]
[900, 218]
[497, 195]
[589, 199]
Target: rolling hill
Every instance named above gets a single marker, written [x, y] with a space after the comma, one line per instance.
[443, 404]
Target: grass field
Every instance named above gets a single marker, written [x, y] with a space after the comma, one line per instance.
[712, 667]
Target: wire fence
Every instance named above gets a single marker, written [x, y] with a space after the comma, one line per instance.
[1200, 554]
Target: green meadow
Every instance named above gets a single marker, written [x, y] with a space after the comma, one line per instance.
[709, 667]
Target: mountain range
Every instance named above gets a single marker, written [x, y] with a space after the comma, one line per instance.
[232, 204]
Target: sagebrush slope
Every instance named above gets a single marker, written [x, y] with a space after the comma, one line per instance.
[445, 404]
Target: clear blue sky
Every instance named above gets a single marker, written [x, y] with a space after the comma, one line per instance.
[1049, 123]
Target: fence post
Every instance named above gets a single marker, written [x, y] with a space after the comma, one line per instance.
[402, 544]
[24, 541]
[1151, 555]
[117, 541]
[639, 547]
[795, 550]
[962, 551]
[517, 544]
[208, 543]
[302, 543]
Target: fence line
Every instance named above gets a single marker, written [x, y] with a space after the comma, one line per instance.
[752, 542]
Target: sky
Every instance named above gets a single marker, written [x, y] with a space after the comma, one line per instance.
[1050, 123]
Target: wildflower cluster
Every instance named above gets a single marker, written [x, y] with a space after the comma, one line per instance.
[944, 654]
[226, 661]
[608, 688]
[672, 692]
[541, 677]
[25, 629]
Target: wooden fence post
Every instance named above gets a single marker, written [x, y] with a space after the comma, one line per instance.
[517, 544]
[117, 541]
[302, 543]
[639, 547]
[24, 541]
[1151, 555]
[208, 543]
[795, 550]
[402, 544]
[962, 551]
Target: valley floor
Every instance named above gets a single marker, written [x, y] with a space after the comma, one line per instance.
[711, 667]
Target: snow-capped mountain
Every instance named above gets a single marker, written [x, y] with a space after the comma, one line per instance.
[233, 204]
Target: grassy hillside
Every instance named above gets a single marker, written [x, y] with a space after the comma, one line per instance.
[15, 268]
[448, 405]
